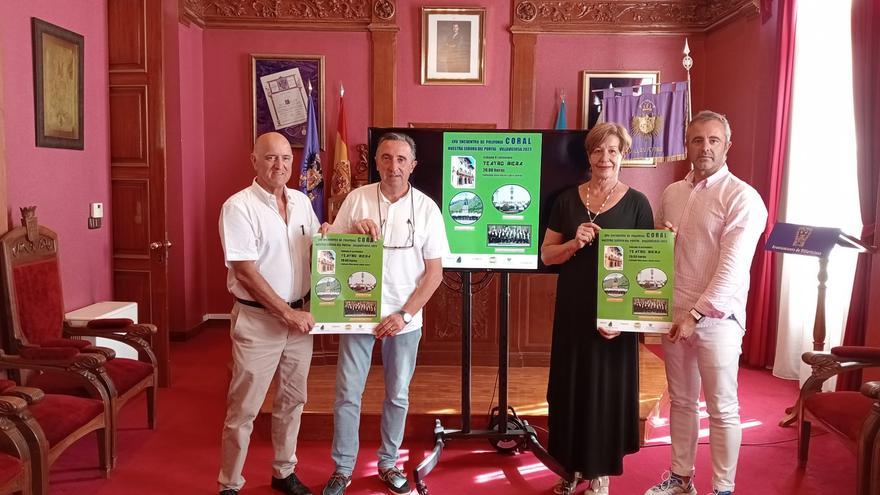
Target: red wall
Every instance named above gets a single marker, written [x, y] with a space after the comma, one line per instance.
[61, 182]
[228, 135]
[227, 99]
[489, 103]
[185, 169]
[192, 174]
[561, 60]
[741, 62]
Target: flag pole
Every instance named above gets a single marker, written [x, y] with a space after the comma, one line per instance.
[688, 62]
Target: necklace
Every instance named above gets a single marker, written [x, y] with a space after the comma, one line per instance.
[592, 218]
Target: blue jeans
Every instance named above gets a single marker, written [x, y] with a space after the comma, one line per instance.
[398, 363]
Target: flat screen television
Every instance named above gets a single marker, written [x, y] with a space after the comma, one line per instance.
[496, 211]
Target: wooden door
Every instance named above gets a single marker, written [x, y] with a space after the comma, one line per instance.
[137, 165]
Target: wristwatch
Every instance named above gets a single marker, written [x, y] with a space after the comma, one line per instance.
[696, 315]
[406, 316]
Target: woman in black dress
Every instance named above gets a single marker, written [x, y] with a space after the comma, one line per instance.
[593, 390]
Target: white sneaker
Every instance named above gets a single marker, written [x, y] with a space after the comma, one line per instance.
[598, 486]
[672, 484]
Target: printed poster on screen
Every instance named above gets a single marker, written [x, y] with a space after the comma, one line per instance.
[635, 280]
[346, 283]
[491, 200]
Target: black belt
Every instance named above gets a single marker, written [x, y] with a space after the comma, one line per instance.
[298, 304]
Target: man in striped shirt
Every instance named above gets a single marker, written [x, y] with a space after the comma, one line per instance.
[717, 219]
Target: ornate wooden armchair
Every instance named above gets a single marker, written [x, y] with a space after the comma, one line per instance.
[34, 313]
[50, 423]
[869, 443]
[852, 416]
[15, 456]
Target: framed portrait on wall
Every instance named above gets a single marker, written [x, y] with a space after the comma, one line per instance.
[58, 86]
[280, 95]
[591, 107]
[453, 45]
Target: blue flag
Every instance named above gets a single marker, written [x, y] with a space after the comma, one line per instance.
[560, 117]
[311, 179]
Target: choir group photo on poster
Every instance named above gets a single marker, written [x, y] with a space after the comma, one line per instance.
[356, 309]
[509, 235]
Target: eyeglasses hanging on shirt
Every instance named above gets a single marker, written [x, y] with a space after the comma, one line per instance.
[393, 236]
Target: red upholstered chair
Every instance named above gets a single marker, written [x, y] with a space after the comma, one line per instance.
[869, 441]
[51, 423]
[854, 417]
[34, 312]
[15, 456]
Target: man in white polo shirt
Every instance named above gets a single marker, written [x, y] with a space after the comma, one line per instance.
[414, 240]
[266, 231]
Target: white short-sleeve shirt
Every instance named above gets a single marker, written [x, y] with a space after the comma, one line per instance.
[402, 268]
[252, 229]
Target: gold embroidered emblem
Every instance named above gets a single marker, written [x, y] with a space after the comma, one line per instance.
[646, 123]
[312, 179]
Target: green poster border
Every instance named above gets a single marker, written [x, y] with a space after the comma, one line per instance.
[636, 280]
[491, 199]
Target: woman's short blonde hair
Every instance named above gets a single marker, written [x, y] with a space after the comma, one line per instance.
[601, 131]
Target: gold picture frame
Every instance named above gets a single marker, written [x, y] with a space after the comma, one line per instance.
[58, 86]
[279, 95]
[593, 82]
[453, 45]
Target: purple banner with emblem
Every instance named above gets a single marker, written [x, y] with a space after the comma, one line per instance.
[656, 120]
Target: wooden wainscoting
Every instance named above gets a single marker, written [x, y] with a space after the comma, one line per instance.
[532, 298]
[532, 301]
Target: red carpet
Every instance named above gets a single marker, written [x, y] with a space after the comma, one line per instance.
[182, 456]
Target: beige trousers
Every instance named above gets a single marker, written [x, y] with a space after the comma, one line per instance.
[261, 347]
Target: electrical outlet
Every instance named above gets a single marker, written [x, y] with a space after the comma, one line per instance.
[96, 210]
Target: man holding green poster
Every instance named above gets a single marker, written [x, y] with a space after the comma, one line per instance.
[414, 241]
[717, 219]
[266, 230]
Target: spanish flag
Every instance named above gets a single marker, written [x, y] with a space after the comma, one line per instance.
[341, 136]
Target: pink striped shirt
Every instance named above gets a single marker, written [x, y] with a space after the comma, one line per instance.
[718, 222]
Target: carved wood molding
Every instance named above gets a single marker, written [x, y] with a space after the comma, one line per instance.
[329, 15]
[598, 16]
[43, 245]
[361, 173]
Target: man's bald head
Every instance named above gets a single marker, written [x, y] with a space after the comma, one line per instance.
[272, 159]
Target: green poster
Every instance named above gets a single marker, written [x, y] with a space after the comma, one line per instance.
[346, 283]
[491, 196]
[636, 278]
